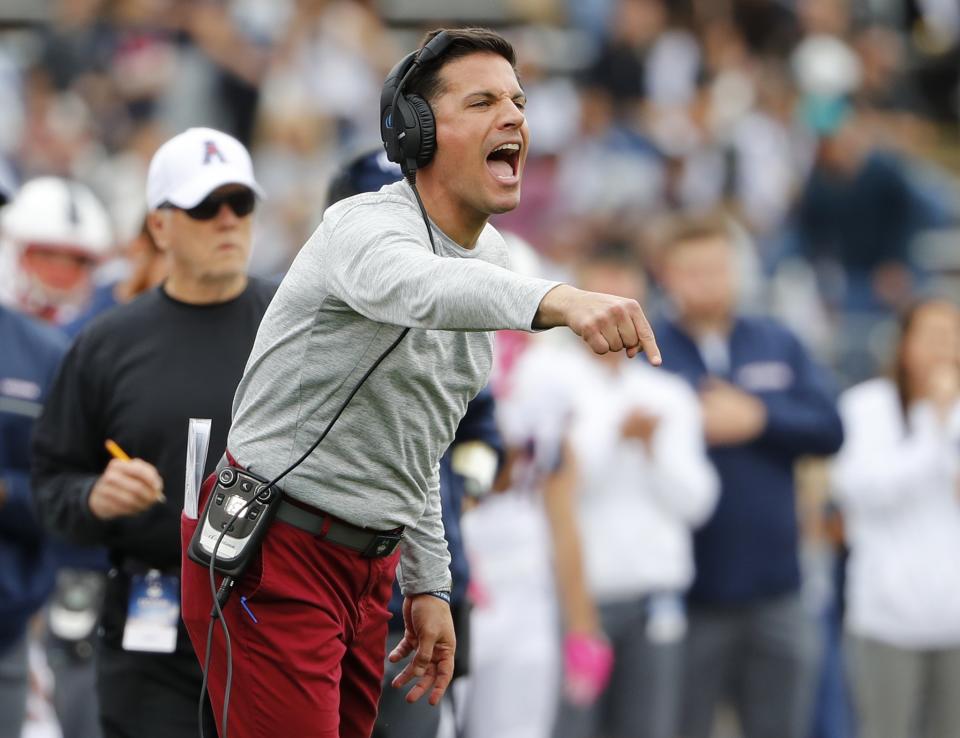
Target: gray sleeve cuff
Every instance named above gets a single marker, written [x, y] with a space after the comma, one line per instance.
[531, 299]
[414, 583]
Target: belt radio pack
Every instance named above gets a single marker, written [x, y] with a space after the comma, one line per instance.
[235, 519]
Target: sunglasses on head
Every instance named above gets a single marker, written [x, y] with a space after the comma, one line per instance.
[240, 202]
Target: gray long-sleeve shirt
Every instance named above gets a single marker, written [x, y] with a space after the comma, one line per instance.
[366, 272]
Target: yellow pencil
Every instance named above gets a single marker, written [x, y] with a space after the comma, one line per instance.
[118, 453]
[115, 450]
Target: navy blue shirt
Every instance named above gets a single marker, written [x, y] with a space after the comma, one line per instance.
[862, 220]
[102, 299]
[30, 353]
[748, 550]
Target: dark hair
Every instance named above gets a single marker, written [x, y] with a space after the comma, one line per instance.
[612, 254]
[687, 229]
[906, 322]
[615, 252]
[426, 81]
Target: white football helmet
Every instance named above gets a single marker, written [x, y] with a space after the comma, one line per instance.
[48, 218]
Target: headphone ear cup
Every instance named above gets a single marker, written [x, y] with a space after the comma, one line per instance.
[428, 129]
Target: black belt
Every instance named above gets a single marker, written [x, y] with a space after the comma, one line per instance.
[373, 544]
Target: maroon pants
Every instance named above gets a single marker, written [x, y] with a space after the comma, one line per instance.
[312, 663]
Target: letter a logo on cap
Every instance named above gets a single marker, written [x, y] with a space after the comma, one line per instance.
[210, 150]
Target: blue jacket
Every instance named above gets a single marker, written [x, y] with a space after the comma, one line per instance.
[748, 550]
[29, 356]
[478, 424]
[102, 300]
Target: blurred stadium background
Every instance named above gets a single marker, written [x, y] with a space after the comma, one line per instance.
[826, 128]
[826, 131]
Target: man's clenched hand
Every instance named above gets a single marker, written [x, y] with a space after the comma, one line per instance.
[605, 322]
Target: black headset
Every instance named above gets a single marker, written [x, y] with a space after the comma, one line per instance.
[407, 126]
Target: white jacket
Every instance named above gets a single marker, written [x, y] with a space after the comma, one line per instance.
[635, 510]
[897, 484]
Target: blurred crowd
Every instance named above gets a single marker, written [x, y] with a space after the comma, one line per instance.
[824, 127]
[776, 180]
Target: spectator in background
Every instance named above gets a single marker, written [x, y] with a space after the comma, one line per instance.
[885, 85]
[28, 361]
[609, 169]
[859, 210]
[136, 375]
[58, 233]
[514, 659]
[620, 64]
[896, 480]
[764, 403]
[765, 161]
[632, 481]
[334, 58]
[54, 234]
[856, 220]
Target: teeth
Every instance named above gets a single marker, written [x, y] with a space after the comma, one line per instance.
[507, 147]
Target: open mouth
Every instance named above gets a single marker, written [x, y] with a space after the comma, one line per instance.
[504, 161]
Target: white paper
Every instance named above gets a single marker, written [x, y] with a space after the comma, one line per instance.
[198, 441]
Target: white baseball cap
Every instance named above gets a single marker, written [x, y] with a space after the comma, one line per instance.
[193, 164]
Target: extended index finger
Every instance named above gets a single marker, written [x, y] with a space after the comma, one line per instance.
[647, 340]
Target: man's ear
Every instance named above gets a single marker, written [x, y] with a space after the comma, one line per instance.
[158, 223]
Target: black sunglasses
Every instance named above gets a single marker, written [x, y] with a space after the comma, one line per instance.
[240, 202]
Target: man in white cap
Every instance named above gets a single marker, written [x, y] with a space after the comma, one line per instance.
[136, 375]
